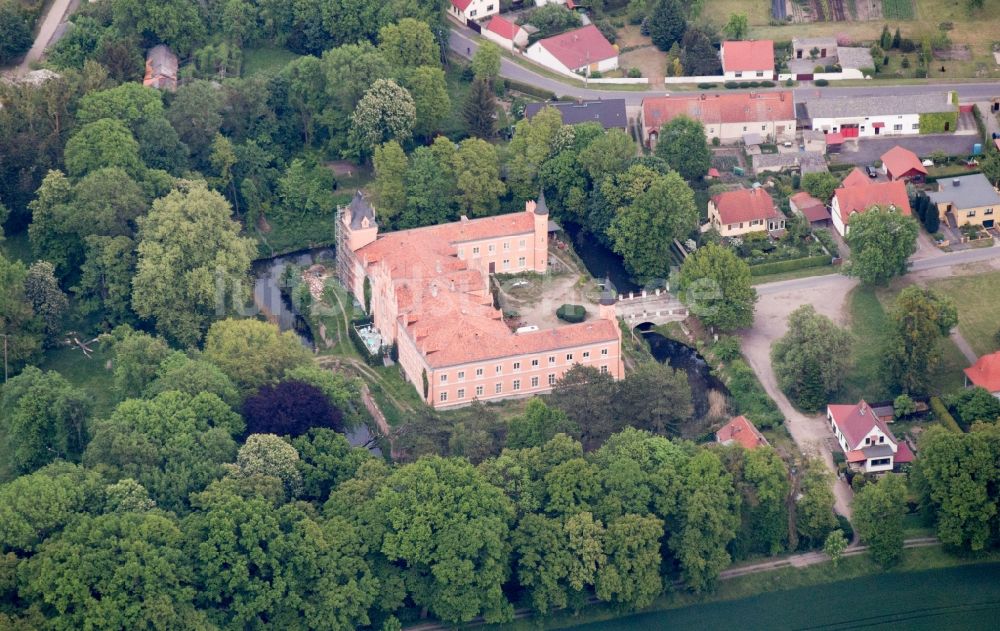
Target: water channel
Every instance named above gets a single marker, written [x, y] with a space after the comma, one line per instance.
[680, 356]
[277, 307]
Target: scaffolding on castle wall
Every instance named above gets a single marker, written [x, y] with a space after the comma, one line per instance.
[343, 253]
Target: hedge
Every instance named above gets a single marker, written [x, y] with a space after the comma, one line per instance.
[943, 416]
[707, 86]
[571, 313]
[527, 88]
[749, 397]
[763, 269]
[821, 83]
[930, 179]
[934, 123]
[837, 166]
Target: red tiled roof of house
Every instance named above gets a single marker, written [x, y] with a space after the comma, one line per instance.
[903, 453]
[835, 138]
[742, 431]
[858, 199]
[504, 28]
[446, 306]
[856, 177]
[461, 5]
[713, 109]
[745, 204]
[810, 207]
[899, 162]
[856, 421]
[985, 373]
[753, 55]
[579, 47]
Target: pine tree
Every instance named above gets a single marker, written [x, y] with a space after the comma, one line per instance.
[667, 24]
[480, 110]
[897, 39]
[886, 38]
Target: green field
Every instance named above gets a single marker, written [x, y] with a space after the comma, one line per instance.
[897, 9]
[266, 60]
[954, 598]
[977, 298]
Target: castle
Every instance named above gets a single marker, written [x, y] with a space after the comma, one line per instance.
[429, 293]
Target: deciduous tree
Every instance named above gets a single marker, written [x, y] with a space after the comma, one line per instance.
[835, 545]
[290, 408]
[630, 574]
[815, 517]
[533, 143]
[430, 99]
[253, 353]
[656, 398]
[666, 24]
[878, 516]
[486, 62]
[192, 263]
[587, 396]
[408, 43]
[22, 328]
[46, 298]
[538, 425]
[820, 185]
[737, 27]
[683, 145]
[477, 168]
[882, 242]
[136, 358]
[607, 154]
[920, 318]
[386, 112]
[390, 166]
[812, 358]
[716, 286]
[101, 144]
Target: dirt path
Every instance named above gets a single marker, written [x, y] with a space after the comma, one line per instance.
[50, 23]
[810, 432]
[956, 337]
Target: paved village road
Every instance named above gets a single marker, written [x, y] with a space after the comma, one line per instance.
[464, 42]
[47, 29]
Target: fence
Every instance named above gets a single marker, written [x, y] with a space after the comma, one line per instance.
[847, 73]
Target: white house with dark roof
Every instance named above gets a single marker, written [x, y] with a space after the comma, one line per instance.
[868, 443]
[871, 116]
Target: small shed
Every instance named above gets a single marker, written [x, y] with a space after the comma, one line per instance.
[161, 69]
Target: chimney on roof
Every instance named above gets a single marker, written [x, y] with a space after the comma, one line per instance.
[464, 219]
[863, 408]
[781, 96]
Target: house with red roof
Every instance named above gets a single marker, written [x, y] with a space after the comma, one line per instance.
[743, 60]
[505, 33]
[726, 116]
[902, 164]
[739, 212]
[475, 10]
[859, 198]
[814, 210]
[985, 373]
[582, 51]
[740, 431]
[427, 292]
[856, 177]
[868, 443]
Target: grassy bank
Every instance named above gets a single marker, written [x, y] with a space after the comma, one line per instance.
[740, 602]
[976, 298]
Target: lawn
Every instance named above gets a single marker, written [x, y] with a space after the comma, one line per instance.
[266, 60]
[293, 232]
[454, 125]
[869, 323]
[977, 298]
[89, 374]
[897, 9]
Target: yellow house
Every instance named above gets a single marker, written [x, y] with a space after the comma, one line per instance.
[746, 210]
[969, 199]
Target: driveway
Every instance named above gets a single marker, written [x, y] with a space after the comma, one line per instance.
[50, 23]
[871, 149]
[811, 433]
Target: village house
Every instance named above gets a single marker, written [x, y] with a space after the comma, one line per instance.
[475, 10]
[858, 197]
[969, 199]
[870, 116]
[428, 291]
[814, 210]
[742, 211]
[726, 116]
[610, 113]
[161, 69]
[902, 164]
[748, 59]
[742, 432]
[505, 33]
[985, 373]
[810, 52]
[866, 440]
[582, 51]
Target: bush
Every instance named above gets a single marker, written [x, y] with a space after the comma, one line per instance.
[744, 84]
[571, 313]
[822, 83]
[819, 69]
[634, 73]
[907, 45]
[727, 348]
[597, 74]
[777, 267]
[824, 237]
[731, 85]
[845, 525]
[749, 397]
[789, 83]
[943, 416]
[767, 84]
[527, 88]
[716, 141]
[708, 86]
[755, 84]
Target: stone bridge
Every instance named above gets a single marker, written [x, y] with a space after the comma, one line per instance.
[657, 306]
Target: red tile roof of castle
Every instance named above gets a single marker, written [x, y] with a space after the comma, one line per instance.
[742, 431]
[856, 421]
[713, 109]
[745, 204]
[985, 373]
[503, 28]
[579, 47]
[885, 195]
[447, 307]
[900, 162]
[742, 56]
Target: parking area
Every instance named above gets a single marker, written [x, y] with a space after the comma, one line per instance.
[868, 150]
